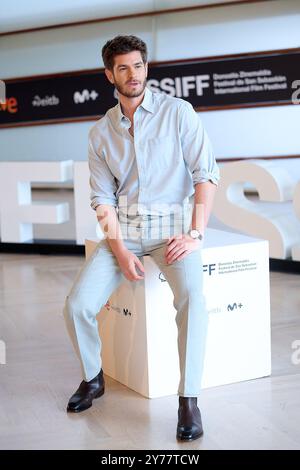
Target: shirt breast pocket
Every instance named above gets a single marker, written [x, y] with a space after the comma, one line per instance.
[162, 152]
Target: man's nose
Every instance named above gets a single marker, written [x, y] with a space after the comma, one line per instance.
[132, 74]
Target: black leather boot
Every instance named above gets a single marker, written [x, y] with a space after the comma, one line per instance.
[85, 394]
[189, 419]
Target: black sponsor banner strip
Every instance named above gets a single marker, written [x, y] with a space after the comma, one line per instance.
[260, 79]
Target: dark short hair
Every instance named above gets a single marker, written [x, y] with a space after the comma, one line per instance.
[122, 45]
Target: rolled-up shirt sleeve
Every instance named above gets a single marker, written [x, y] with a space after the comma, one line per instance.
[102, 182]
[196, 146]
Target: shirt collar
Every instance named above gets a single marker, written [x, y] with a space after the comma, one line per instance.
[147, 104]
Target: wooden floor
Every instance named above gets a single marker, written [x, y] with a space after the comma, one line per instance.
[41, 372]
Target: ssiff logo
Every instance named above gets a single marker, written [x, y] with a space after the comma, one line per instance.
[209, 268]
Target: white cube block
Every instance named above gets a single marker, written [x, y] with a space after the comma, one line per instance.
[139, 333]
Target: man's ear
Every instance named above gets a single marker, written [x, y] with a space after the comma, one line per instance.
[146, 68]
[109, 75]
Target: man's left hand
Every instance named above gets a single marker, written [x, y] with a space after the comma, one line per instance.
[180, 246]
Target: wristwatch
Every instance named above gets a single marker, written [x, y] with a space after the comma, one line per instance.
[195, 234]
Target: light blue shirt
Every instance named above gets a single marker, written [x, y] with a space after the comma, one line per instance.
[156, 170]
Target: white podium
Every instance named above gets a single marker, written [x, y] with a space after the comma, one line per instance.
[139, 333]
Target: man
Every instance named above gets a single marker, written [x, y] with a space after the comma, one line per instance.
[147, 157]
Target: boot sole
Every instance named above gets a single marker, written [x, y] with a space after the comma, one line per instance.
[193, 438]
[79, 410]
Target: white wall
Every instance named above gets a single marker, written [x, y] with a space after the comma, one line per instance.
[16, 15]
[214, 31]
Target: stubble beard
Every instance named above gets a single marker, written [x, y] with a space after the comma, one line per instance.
[134, 93]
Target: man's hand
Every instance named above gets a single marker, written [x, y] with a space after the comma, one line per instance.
[128, 262]
[180, 246]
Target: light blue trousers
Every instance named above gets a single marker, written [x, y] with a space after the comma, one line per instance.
[100, 275]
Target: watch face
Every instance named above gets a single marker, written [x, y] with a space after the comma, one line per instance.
[194, 233]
